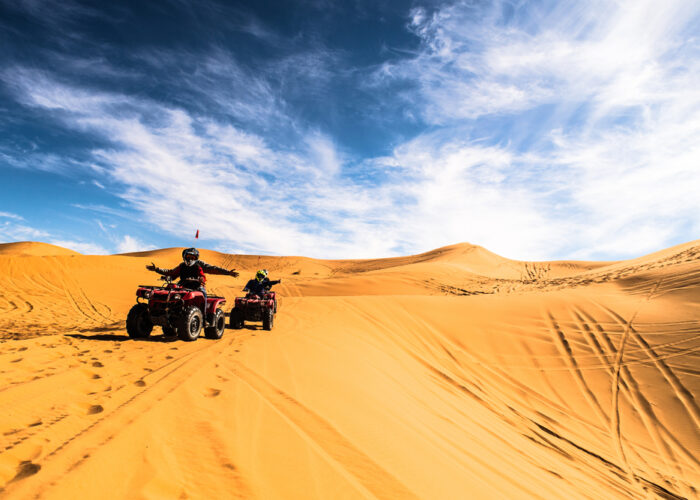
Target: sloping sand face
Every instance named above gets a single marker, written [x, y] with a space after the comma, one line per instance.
[452, 374]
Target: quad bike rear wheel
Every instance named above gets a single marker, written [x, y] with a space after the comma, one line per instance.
[268, 318]
[236, 320]
[216, 331]
[138, 322]
[190, 324]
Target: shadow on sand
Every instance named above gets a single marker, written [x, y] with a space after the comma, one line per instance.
[112, 337]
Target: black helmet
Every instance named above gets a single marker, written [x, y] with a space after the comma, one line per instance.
[190, 251]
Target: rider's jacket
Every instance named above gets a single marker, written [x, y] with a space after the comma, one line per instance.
[194, 272]
[256, 287]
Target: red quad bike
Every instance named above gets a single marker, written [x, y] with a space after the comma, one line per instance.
[254, 308]
[177, 309]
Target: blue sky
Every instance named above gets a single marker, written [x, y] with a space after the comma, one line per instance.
[539, 130]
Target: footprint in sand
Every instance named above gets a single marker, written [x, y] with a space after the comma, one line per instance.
[97, 364]
[95, 409]
[26, 469]
[212, 393]
[140, 383]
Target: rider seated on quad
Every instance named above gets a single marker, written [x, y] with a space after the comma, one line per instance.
[191, 272]
[260, 285]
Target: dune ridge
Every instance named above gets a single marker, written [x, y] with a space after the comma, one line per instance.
[455, 373]
[34, 248]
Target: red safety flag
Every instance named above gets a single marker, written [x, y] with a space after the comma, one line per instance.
[196, 236]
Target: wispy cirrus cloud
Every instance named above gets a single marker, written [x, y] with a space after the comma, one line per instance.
[595, 104]
[184, 172]
[8, 215]
[14, 228]
[542, 130]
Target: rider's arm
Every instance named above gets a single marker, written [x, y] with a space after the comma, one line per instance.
[173, 273]
[210, 269]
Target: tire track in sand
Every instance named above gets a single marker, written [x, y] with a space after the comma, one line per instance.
[680, 391]
[606, 352]
[79, 440]
[664, 440]
[571, 362]
[630, 388]
[615, 427]
[365, 472]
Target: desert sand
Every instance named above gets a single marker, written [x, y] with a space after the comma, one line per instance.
[453, 374]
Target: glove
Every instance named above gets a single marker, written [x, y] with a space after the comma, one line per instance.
[151, 267]
[233, 273]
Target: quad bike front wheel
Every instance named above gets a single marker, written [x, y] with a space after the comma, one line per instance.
[138, 322]
[216, 331]
[190, 324]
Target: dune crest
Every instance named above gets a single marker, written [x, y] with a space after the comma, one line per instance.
[455, 373]
[34, 248]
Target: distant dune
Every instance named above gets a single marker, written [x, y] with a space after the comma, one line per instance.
[33, 248]
[451, 374]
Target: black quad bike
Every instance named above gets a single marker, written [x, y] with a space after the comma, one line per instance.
[254, 308]
[177, 309]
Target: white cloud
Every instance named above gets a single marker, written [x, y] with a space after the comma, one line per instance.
[83, 247]
[8, 215]
[129, 244]
[611, 165]
[563, 128]
[11, 231]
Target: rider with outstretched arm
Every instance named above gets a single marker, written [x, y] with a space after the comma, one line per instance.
[191, 272]
[261, 284]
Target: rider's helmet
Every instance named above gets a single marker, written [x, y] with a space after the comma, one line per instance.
[190, 256]
[261, 274]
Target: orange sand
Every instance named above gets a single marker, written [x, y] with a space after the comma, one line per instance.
[453, 374]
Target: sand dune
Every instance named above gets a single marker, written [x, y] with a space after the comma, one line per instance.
[451, 374]
[33, 248]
